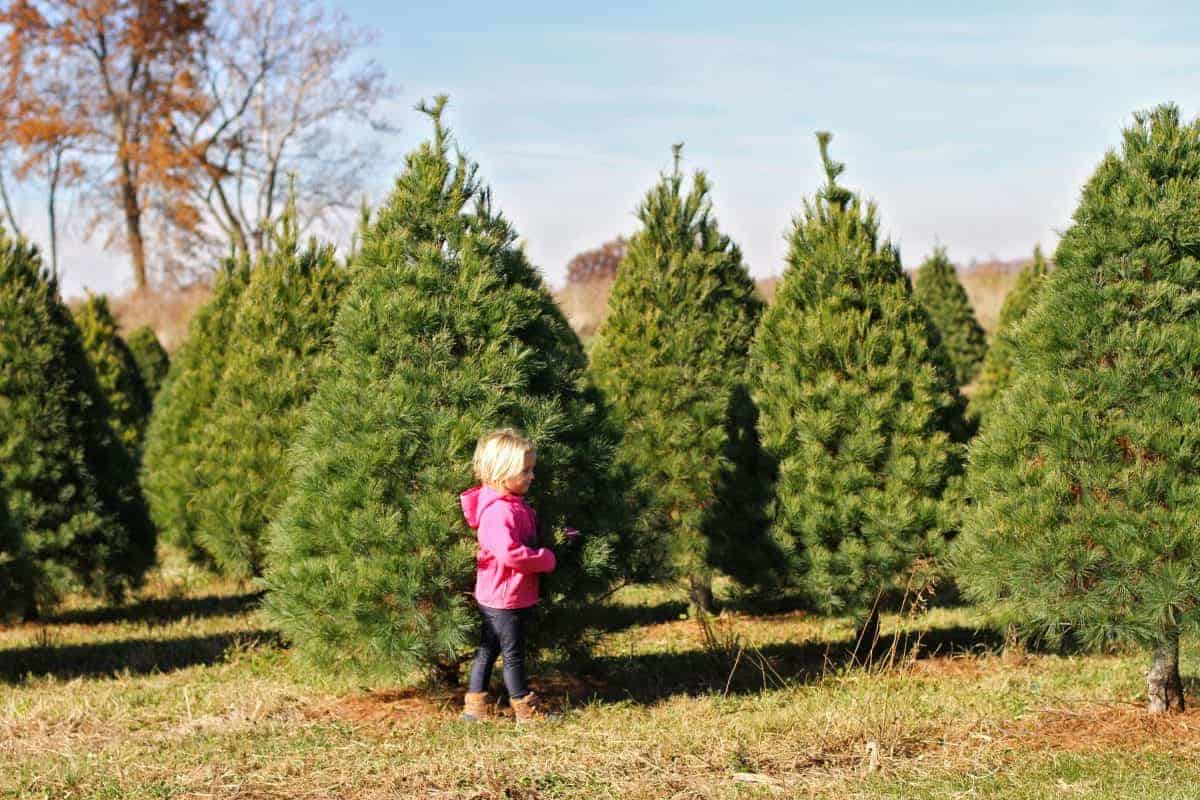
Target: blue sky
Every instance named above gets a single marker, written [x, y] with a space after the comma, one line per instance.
[970, 128]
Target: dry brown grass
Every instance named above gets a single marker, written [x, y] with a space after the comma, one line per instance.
[167, 311]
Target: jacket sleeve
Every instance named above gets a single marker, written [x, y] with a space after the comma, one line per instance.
[498, 535]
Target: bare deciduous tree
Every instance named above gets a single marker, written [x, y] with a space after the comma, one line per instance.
[284, 87]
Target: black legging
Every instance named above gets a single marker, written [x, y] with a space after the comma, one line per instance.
[503, 631]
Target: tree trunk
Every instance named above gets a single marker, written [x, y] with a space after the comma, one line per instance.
[1164, 687]
[133, 230]
[8, 210]
[700, 592]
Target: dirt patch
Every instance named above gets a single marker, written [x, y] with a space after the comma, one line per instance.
[387, 707]
[394, 707]
[1123, 727]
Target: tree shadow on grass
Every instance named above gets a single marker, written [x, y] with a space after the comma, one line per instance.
[160, 610]
[613, 618]
[653, 677]
[136, 656]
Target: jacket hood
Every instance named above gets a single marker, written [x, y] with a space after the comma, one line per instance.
[475, 500]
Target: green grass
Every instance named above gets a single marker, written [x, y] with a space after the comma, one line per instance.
[187, 693]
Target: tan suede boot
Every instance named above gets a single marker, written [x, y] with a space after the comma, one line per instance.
[477, 706]
[530, 709]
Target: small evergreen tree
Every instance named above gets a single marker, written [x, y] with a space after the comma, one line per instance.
[997, 374]
[116, 371]
[173, 438]
[151, 358]
[858, 408]
[16, 579]
[1085, 475]
[446, 332]
[282, 329]
[671, 357]
[70, 484]
[940, 292]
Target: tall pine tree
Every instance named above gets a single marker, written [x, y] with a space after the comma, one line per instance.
[281, 331]
[446, 333]
[997, 372]
[940, 292]
[116, 371]
[151, 358]
[1086, 474]
[71, 485]
[174, 441]
[672, 357]
[858, 408]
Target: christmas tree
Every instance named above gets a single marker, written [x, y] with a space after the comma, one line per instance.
[939, 291]
[672, 357]
[116, 371]
[152, 360]
[282, 329]
[174, 441]
[70, 483]
[446, 333]
[1084, 476]
[16, 579]
[858, 409]
[997, 373]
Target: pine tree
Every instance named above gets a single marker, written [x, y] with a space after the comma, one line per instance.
[446, 332]
[940, 292]
[997, 373]
[858, 409]
[672, 357]
[181, 410]
[151, 358]
[16, 578]
[116, 371]
[282, 329]
[1084, 476]
[70, 483]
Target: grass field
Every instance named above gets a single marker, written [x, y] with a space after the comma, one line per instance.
[187, 693]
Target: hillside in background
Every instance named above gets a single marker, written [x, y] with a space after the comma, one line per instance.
[584, 303]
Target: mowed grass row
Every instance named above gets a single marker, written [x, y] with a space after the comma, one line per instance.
[187, 694]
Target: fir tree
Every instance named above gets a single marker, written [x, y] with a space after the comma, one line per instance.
[282, 330]
[672, 357]
[939, 291]
[997, 374]
[173, 438]
[446, 333]
[116, 371]
[1085, 475]
[70, 483]
[858, 408]
[151, 358]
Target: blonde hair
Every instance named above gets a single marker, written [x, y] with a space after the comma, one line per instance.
[500, 455]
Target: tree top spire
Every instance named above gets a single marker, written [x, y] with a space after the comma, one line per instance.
[832, 192]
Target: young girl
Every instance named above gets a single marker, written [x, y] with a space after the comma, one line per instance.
[507, 566]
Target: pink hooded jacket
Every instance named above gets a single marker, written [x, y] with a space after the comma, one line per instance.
[506, 564]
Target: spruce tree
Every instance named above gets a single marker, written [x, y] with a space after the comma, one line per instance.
[282, 330]
[940, 292]
[997, 374]
[446, 333]
[151, 358]
[672, 357]
[174, 443]
[116, 371]
[1086, 475]
[858, 409]
[71, 485]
